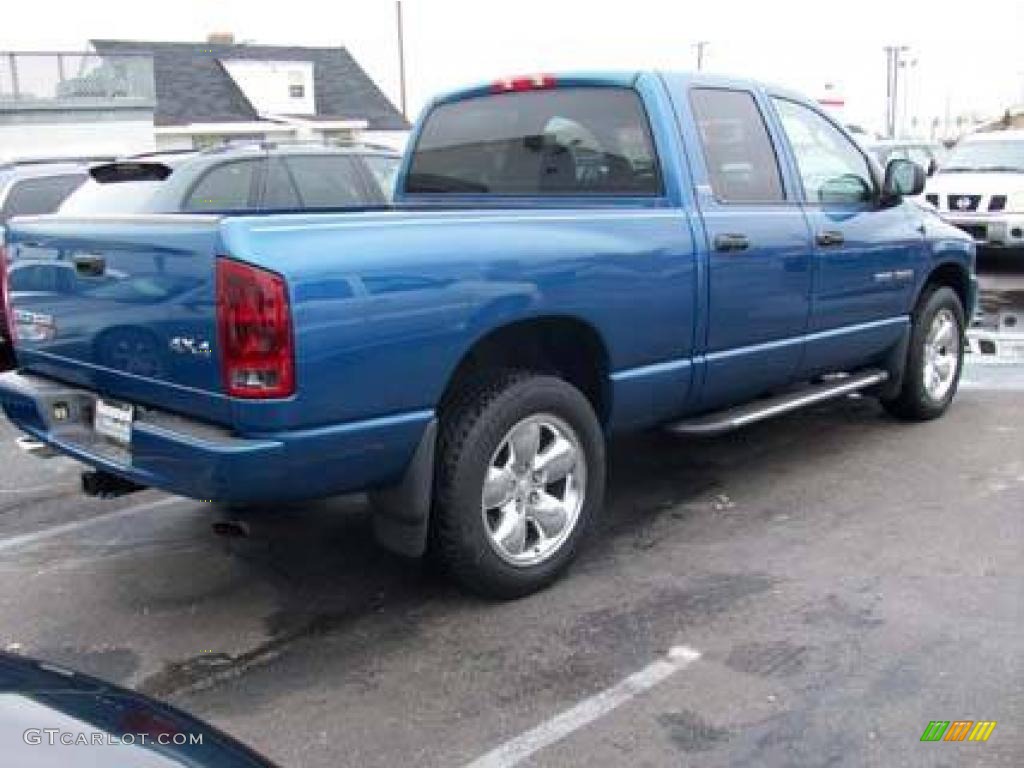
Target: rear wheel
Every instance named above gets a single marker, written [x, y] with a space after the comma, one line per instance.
[520, 478]
[934, 360]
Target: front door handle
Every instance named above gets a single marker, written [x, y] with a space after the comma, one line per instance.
[829, 237]
[731, 242]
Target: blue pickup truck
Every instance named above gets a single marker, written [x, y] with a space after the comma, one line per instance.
[567, 258]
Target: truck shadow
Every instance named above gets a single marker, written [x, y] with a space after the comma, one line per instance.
[328, 579]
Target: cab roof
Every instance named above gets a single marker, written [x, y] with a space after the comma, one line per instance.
[621, 79]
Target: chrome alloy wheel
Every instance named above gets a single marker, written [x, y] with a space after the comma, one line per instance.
[941, 355]
[534, 489]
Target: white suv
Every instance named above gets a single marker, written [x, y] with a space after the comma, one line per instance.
[981, 188]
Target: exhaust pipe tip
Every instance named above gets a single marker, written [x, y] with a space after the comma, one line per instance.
[34, 447]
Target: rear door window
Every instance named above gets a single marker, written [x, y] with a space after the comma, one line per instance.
[564, 141]
[327, 181]
[227, 187]
[741, 161]
[39, 195]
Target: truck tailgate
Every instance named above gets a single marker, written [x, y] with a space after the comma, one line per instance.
[121, 305]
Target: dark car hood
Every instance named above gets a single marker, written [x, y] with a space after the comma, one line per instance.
[93, 723]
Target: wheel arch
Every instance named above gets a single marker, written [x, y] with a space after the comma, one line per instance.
[951, 274]
[561, 344]
[564, 345]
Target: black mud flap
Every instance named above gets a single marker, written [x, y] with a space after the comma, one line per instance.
[401, 513]
[895, 363]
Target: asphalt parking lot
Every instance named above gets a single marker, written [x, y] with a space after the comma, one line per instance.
[811, 591]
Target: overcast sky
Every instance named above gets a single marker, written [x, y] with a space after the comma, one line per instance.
[969, 55]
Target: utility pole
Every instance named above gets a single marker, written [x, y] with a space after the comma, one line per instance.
[892, 81]
[700, 46]
[401, 59]
[907, 67]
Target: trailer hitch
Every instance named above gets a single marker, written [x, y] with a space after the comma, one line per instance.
[106, 485]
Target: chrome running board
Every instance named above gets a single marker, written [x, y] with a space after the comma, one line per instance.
[749, 413]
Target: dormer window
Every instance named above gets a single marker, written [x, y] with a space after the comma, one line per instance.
[296, 84]
[275, 87]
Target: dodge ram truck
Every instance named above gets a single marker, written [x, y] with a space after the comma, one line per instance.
[567, 258]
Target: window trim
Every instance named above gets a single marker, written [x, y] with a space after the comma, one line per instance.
[660, 195]
[376, 194]
[788, 198]
[804, 198]
[255, 184]
[264, 185]
[370, 176]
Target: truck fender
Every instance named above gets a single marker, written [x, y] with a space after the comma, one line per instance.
[401, 512]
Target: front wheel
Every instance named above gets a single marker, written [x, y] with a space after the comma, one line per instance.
[934, 360]
[520, 477]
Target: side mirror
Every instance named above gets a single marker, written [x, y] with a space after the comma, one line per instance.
[903, 178]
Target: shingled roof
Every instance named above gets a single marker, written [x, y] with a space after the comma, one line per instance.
[193, 87]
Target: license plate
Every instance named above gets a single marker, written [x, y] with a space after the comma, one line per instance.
[114, 421]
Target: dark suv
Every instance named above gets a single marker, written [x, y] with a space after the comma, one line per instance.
[29, 187]
[230, 179]
[239, 178]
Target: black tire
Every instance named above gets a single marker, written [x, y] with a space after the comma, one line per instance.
[914, 402]
[474, 424]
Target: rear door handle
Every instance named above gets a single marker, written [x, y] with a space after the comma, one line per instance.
[829, 237]
[731, 242]
[89, 266]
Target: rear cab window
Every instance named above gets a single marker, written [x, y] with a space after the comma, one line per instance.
[570, 141]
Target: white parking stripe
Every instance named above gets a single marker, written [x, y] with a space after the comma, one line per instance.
[992, 386]
[28, 539]
[516, 750]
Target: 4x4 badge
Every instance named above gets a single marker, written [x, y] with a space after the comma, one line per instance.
[186, 345]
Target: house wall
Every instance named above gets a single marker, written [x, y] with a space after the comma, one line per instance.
[69, 132]
[202, 135]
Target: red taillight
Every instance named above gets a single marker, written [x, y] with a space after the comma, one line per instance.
[255, 331]
[5, 297]
[525, 83]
